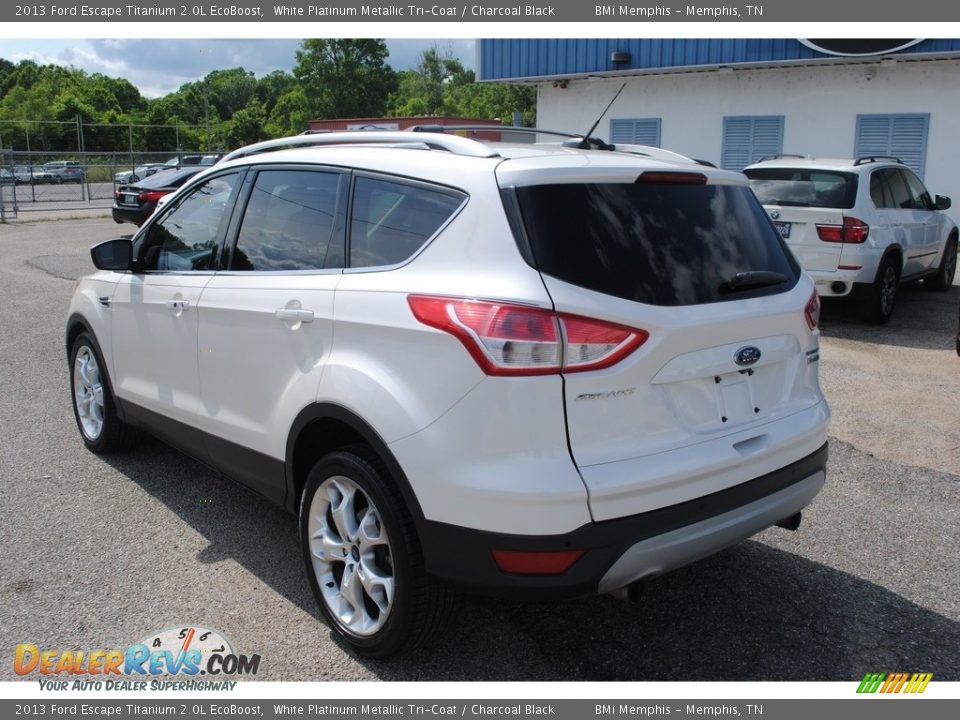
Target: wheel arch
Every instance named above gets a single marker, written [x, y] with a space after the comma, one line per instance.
[323, 427]
[77, 324]
[894, 251]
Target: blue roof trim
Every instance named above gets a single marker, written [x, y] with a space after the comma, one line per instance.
[511, 59]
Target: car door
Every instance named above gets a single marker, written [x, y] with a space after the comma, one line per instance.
[266, 320]
[902, 221]
[927, 217]
[154, 310]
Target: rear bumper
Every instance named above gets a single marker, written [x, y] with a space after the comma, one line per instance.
[131, 215]
[618, 552]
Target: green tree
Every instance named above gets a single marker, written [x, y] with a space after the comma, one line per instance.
[344, 78]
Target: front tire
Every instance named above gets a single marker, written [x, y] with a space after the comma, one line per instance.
[94, 406]
[363, 557]
[943, 280]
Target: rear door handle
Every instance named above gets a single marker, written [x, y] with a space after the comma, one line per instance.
[294, 315]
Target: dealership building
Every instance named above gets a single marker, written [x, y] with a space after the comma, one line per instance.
[732, 102]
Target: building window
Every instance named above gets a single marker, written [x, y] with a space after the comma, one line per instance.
[900, 136]
[644, 131]
[746, 139]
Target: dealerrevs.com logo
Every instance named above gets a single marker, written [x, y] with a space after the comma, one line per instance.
[189, 651]
[894, 683]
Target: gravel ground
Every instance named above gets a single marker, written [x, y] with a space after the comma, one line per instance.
[103, 551]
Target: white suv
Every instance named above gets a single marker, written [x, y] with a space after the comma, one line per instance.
[536, 370]
[859, 227]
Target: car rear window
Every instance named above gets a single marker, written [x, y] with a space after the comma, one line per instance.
[167, 178]
[660, 244]
[803, 187]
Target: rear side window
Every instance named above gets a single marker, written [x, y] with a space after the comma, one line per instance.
[889, 188]
[660, 244]
[288, 222]
[804, 188]
[391, 220]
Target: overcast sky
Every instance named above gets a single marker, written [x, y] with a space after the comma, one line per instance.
[158, 67]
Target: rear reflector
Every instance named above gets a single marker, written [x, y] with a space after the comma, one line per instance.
[852, 231]
[510, 339]
[518, 562]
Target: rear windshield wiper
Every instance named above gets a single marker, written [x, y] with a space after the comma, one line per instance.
[750, 279]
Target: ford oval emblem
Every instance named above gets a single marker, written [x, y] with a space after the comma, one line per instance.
[746, 355]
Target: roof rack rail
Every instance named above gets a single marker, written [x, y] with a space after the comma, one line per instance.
[574, 140]
[449, 143]
[781, 156]
[876, 158]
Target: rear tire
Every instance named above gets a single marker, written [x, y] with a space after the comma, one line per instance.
[363, 557]
[943, 280]
[880, 297]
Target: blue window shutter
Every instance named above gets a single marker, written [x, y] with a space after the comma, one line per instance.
[746, 139]
[643, 131]
[903, 136]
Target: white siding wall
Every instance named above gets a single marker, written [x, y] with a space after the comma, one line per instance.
[819, 104]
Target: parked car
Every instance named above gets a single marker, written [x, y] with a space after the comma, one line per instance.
[136, 202]
[529, 370]
[859, 227]
[7, 177]
[65, 171]
[138, 173]
[193, 159]
[26, 175]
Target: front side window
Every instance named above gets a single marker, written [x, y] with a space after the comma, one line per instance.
[391, 221]
[187, 237]
[288, 223]
[918, 193]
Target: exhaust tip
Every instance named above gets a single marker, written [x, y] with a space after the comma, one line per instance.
[791, 523]
[630, 593]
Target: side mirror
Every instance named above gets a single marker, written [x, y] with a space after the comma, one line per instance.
[113, 255]
[942, 202]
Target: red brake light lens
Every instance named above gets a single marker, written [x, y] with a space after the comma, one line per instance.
[151, 195]
[852, 231]
[509, 339]
[671, 178]
[812, 311]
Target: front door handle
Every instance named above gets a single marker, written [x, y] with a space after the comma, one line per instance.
[178, 306]
[294, 315]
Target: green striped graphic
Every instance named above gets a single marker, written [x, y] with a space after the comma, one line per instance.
[871, 682]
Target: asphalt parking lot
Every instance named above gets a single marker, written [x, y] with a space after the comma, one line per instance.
[100, 552]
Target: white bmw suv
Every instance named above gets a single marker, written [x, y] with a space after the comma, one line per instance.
[536, 370]
[859, 227]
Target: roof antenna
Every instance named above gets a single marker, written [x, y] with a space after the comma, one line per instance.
[588, 142]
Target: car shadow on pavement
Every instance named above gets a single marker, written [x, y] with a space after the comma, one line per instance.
[751, 612]
[921, 319]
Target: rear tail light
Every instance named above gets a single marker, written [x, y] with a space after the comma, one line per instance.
[509, 339]
[852, 231]
[812, 311]
[520, 562]
[151, 195]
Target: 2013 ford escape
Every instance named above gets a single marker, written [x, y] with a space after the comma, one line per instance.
[538, 370]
